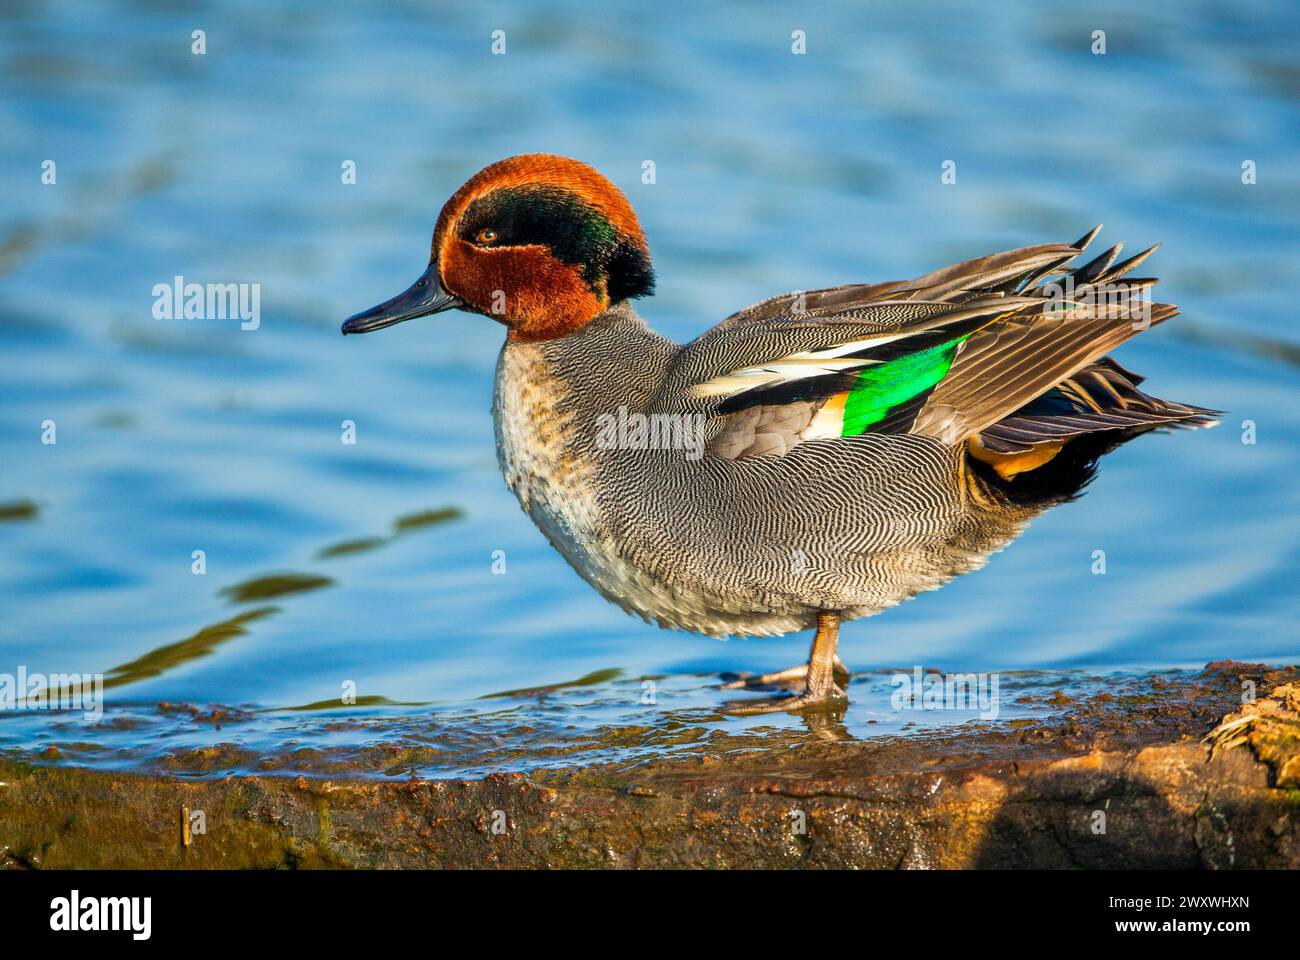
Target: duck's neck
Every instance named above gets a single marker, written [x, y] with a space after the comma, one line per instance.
[550, 394]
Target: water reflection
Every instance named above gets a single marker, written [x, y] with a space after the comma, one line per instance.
[274, 585]
[201, 644]
[18, 510]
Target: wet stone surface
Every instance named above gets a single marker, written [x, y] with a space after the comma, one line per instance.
[1167, 771]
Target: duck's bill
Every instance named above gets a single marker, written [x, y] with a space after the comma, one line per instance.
[422, 298]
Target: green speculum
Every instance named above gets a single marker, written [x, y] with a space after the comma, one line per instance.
[880, 389]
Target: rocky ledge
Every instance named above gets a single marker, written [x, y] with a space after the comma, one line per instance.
[1198, 772]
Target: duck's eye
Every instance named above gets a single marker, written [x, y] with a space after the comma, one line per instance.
[486, 235]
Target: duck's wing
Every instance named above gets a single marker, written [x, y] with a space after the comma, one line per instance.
[948, 355]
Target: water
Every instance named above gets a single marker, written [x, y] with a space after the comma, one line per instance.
[774, 172]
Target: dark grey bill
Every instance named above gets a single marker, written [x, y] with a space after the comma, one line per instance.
[422, 298]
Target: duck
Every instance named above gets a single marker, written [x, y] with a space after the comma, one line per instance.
[817, 457]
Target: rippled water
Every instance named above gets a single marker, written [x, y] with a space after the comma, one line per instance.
[371, 564]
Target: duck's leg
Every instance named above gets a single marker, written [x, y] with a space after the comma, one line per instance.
[818, 674]
[793, 678]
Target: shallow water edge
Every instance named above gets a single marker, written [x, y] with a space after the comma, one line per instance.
[1182, 775]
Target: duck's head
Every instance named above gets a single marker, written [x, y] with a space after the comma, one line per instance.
[539, 242]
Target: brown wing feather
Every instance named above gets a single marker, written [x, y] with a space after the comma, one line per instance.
[1004, 366]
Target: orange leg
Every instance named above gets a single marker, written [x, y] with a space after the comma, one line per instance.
[818, 675]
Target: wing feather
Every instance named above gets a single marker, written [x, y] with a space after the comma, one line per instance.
[1009, 348]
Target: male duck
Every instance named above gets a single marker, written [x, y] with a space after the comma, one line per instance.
[816, 457]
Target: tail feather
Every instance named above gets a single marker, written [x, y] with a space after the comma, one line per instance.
[1103, 396]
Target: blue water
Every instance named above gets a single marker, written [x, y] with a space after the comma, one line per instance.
[773, 172]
